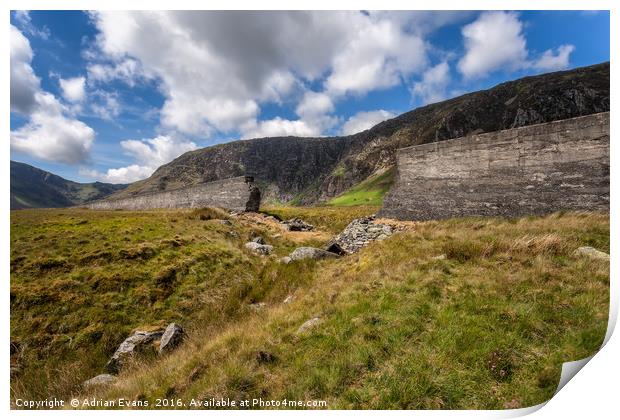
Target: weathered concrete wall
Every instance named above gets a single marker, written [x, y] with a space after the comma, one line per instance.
[533, 170]
[232, 193]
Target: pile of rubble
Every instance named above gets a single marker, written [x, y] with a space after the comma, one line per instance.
[359, 233]
[297, 225]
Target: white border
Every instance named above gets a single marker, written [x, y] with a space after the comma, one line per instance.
[593, 393]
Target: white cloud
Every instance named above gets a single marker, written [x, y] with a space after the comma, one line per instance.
[48, 134]
[279, 127]
[313, 104]
[365, 120]
[216, 68]
[432, 87]
[24, 83]
[557, 60]
[149, 155]
[23, 19]
[51, 136]
[105, 104]
[495, 40]
[73, 89]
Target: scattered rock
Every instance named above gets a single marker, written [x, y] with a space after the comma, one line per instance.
[128, 348]
[288, 299]
[232, 234]
[306, 252]
[103, 379]
[311, 323]
[297, 225]
[440, 257]
[257, 306]
[593, 253]
[258, 240]
[259, 249]
[172, 337]
[285, 260]
[226, 222]
[359, 233]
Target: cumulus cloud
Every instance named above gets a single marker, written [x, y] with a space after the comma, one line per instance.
[24, 83]
[49, 134]
[216, 68]
[432, 87]
[149, 155]
[279, 127]
[554, 60]
[496, 41]
[365, 120]
[23, 19]
[73, 89]
[493, 41]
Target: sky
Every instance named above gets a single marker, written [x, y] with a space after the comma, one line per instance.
[111, 96]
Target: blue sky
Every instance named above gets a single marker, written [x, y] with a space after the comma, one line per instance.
[111, 96]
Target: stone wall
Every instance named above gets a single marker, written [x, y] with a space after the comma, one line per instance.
[533, 170]
[239, 194]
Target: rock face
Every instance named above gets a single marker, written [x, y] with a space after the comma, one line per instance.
[359, 233]
[593, 253]
[132, 345]
[533, 170]
[172, 337]
[297, 225]
[239, 194]
[103, 379]
[312, 169]
[259, 249]
[307, 252]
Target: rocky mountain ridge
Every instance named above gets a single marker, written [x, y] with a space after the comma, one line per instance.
[308, 170]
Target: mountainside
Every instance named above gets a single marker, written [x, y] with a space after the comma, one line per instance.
[315, 169]
[34, 188]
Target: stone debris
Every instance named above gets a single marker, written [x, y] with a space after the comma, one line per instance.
[257, 306]
[297, 225]
[226, 222]
[359, 233]
[172, 337]
[103, 379]
[285, 260]
[259, 249]
[593, 253]
[128, 348]
[311, 323]
[306, 252]
[288, 299]
[258, 240]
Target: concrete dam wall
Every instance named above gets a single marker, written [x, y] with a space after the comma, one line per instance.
[532, 170]
[239, 194]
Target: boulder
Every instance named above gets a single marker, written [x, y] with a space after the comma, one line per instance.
[285, 260]
[258, 240]
[172, 337]
[359, 233]
[133, 344]
[297, 225]
[259, 249]
[103, 379]
[311, 323]
[306, 252]
[593, 253]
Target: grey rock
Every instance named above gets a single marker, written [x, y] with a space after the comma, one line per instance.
[306, 252]
[258, 306]
[593, 253]
[133, 344]
[288, 299]
[259, 249]
[358, 234]
[297, 225]
[172, 337]
[285, 260]
[311, 323]
[103, 379]
[226, 222]
[258, 240]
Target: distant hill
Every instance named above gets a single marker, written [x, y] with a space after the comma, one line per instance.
[307, 170]
[34, 188]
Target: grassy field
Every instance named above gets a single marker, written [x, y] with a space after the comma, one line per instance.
[463, 313]
[367, 193]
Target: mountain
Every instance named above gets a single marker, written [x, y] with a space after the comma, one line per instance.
[308, 170]
[34, 188]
